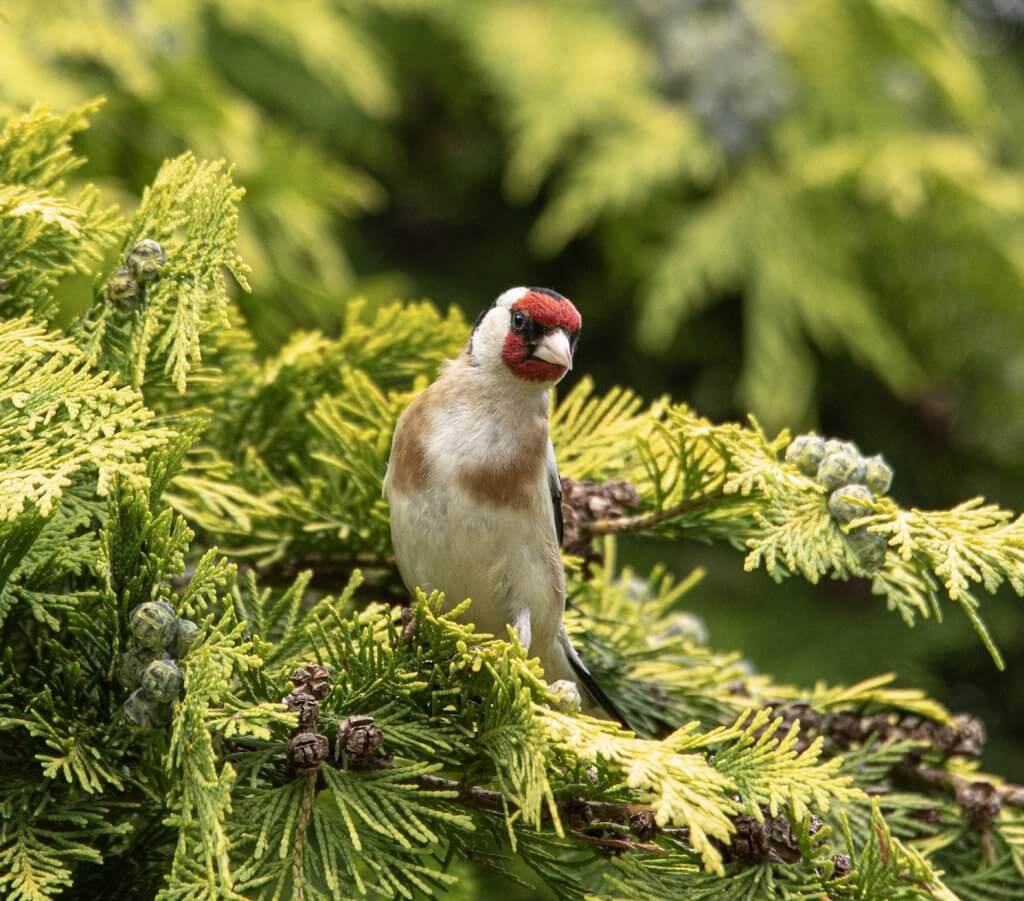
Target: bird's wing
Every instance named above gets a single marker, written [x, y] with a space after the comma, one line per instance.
[555, 487]
[583, 675]
[590, 685]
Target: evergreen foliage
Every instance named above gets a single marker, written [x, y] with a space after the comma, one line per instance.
[147, 456]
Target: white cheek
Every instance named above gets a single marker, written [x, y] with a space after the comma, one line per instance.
[489, 340]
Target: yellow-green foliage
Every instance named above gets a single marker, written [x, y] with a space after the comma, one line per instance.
[59, 418]
[46, 235]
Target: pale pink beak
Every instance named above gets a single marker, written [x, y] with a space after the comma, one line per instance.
[555, 348]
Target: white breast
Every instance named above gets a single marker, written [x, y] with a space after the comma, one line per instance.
[504, 557]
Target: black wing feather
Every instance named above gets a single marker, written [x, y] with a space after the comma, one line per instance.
[555, 487]
[587, 680]
[583, 675]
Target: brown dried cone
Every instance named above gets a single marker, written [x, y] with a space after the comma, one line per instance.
[586, 502]
[842, 865]
[772, 839]
[358, 737]
[408, 625]
[307, 750]
[314, 679]
[964, 738]
[643, 825]
[577, 814]
[122, 287]
[980, 801]
[306, 706]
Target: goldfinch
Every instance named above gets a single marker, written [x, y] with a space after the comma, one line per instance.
[473, 485]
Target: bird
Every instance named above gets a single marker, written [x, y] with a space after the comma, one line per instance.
[473, 486]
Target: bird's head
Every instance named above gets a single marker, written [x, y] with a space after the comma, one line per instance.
[528, 332]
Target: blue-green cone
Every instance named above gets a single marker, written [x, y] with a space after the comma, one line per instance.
[835, 446]
[688, 626]
[848, 502]
[840, 468]
[132, 663]
[806, 452]
[143, 711]
[185, 637]
[145, 260]
[869, 547]
[162, 680]
[565, 696]
[877, 475]
[153, 624]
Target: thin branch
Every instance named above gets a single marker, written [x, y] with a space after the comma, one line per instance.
[767, 838]
[971, 794]
[305, 811]
[494, 802]
[618, 845]
[964, 736]
[980, 801]
[648, 520]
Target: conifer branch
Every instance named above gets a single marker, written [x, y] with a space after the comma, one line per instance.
[571, 810]
[581, 814]
[643, 522]
[979, 798]
[298, 851]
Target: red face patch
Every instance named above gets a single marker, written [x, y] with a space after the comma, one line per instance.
[550, 312]
[514, 354]
[547, 313]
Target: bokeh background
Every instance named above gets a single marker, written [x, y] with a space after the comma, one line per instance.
[808, 209]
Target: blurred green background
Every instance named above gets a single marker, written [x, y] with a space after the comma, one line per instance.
[808, 209]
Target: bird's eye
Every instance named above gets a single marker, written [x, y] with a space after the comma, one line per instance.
[519, 320]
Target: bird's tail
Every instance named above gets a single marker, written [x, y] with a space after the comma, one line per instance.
[590, 685]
